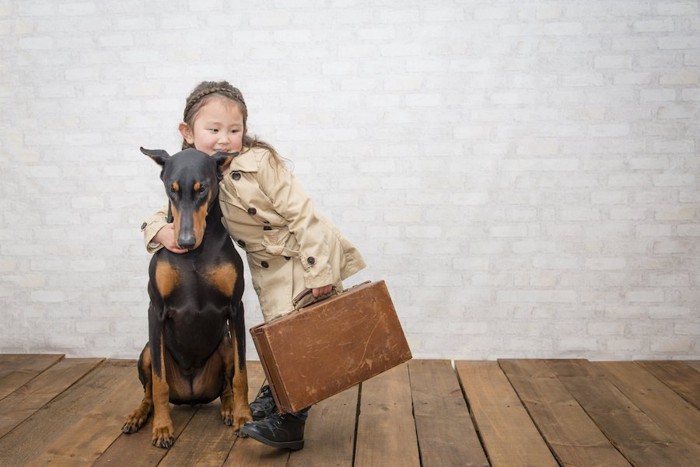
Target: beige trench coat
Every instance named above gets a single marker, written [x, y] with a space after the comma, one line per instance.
[289, 245]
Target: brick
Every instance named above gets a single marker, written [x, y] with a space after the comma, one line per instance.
[672, 246]
[672, 345]
[613, 62]
[675, 214]
[676, 8]
[537, 296]
[48, 296]
[563, 29]
[689, 230]
[270, 19]
[117, 40]
[674, 180]
[36, 43]
[583, 80]
[677, 43]
[657, 95]
[682, 78]
[441, 14]
[77, 9]
[655, 25]
[626, 345]
[30, 9]
[606, 264]
[399, 16]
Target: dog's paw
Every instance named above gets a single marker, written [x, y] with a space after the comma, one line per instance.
[134, 422]
[163, 437]
[236, 418]
[227, 415]
[242, 417]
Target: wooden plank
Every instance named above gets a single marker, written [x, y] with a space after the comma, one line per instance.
[678, 376]
[25, 401]
[446, 435]
[247, 451]
[30, 438]
[671, 412]
[629, 429]
[18, 369]
[84, 441]
[330, 432]
[507, 432]
[695, 364]
[206, 440]
[570, 433]
[386, 433]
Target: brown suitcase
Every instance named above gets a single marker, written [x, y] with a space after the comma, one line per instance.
[328, 346]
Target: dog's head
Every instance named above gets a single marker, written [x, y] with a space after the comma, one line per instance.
[191, 180]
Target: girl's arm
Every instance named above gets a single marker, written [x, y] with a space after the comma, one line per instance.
[157, 233]
[315, 236]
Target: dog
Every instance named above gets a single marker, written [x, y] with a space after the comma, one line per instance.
[196, 324]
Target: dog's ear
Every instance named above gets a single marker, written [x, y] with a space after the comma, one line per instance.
[158, 155]
[222, 159]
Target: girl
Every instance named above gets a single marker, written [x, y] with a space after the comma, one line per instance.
[289, 245]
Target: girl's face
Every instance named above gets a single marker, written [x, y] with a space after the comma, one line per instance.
[217, 127]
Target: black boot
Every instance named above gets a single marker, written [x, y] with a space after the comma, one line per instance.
[279, 430]
[264, 405]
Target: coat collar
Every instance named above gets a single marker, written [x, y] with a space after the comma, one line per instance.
[246, 161]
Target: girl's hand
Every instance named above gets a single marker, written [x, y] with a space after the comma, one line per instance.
[166, 237]
[318, 291]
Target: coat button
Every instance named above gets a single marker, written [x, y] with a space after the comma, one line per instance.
[236, 175]
[311, 260]
[241, 243]
[267, 227]
[265, 264]
[143, 226]
[252, 211]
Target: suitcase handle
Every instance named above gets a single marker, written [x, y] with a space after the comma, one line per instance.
[304, 293]
[332, 293]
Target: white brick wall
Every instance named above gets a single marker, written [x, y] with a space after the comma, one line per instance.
[524, 174]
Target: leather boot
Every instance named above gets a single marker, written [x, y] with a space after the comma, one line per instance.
[279, 430]
[264, 405]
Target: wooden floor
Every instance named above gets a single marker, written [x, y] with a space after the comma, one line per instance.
[67, 411]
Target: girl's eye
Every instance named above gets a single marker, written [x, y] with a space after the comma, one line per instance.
[213, 130]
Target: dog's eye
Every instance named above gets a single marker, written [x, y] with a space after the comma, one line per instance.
[202, 189]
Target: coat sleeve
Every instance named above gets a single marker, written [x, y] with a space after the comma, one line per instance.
[316, 237]
[151, 227]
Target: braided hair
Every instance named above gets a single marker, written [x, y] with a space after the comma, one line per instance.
[205, 91]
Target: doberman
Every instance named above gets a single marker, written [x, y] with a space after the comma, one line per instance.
[196, 326]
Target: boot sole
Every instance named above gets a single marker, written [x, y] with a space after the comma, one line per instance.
[293, 445]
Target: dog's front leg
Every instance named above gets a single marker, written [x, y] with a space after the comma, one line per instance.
[163, 432]
[138, 417]
[241, 408]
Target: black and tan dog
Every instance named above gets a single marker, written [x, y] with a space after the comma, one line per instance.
[196, 328]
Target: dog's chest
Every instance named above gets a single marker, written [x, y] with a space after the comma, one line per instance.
[195, 279]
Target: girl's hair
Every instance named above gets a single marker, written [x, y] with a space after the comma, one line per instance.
[203, 93]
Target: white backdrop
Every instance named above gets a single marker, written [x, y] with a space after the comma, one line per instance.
[523, 174]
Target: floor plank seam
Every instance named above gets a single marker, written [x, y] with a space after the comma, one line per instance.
[472, 418]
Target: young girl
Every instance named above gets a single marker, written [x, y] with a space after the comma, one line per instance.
[289, 245]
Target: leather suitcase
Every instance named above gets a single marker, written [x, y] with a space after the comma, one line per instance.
[330, 345]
